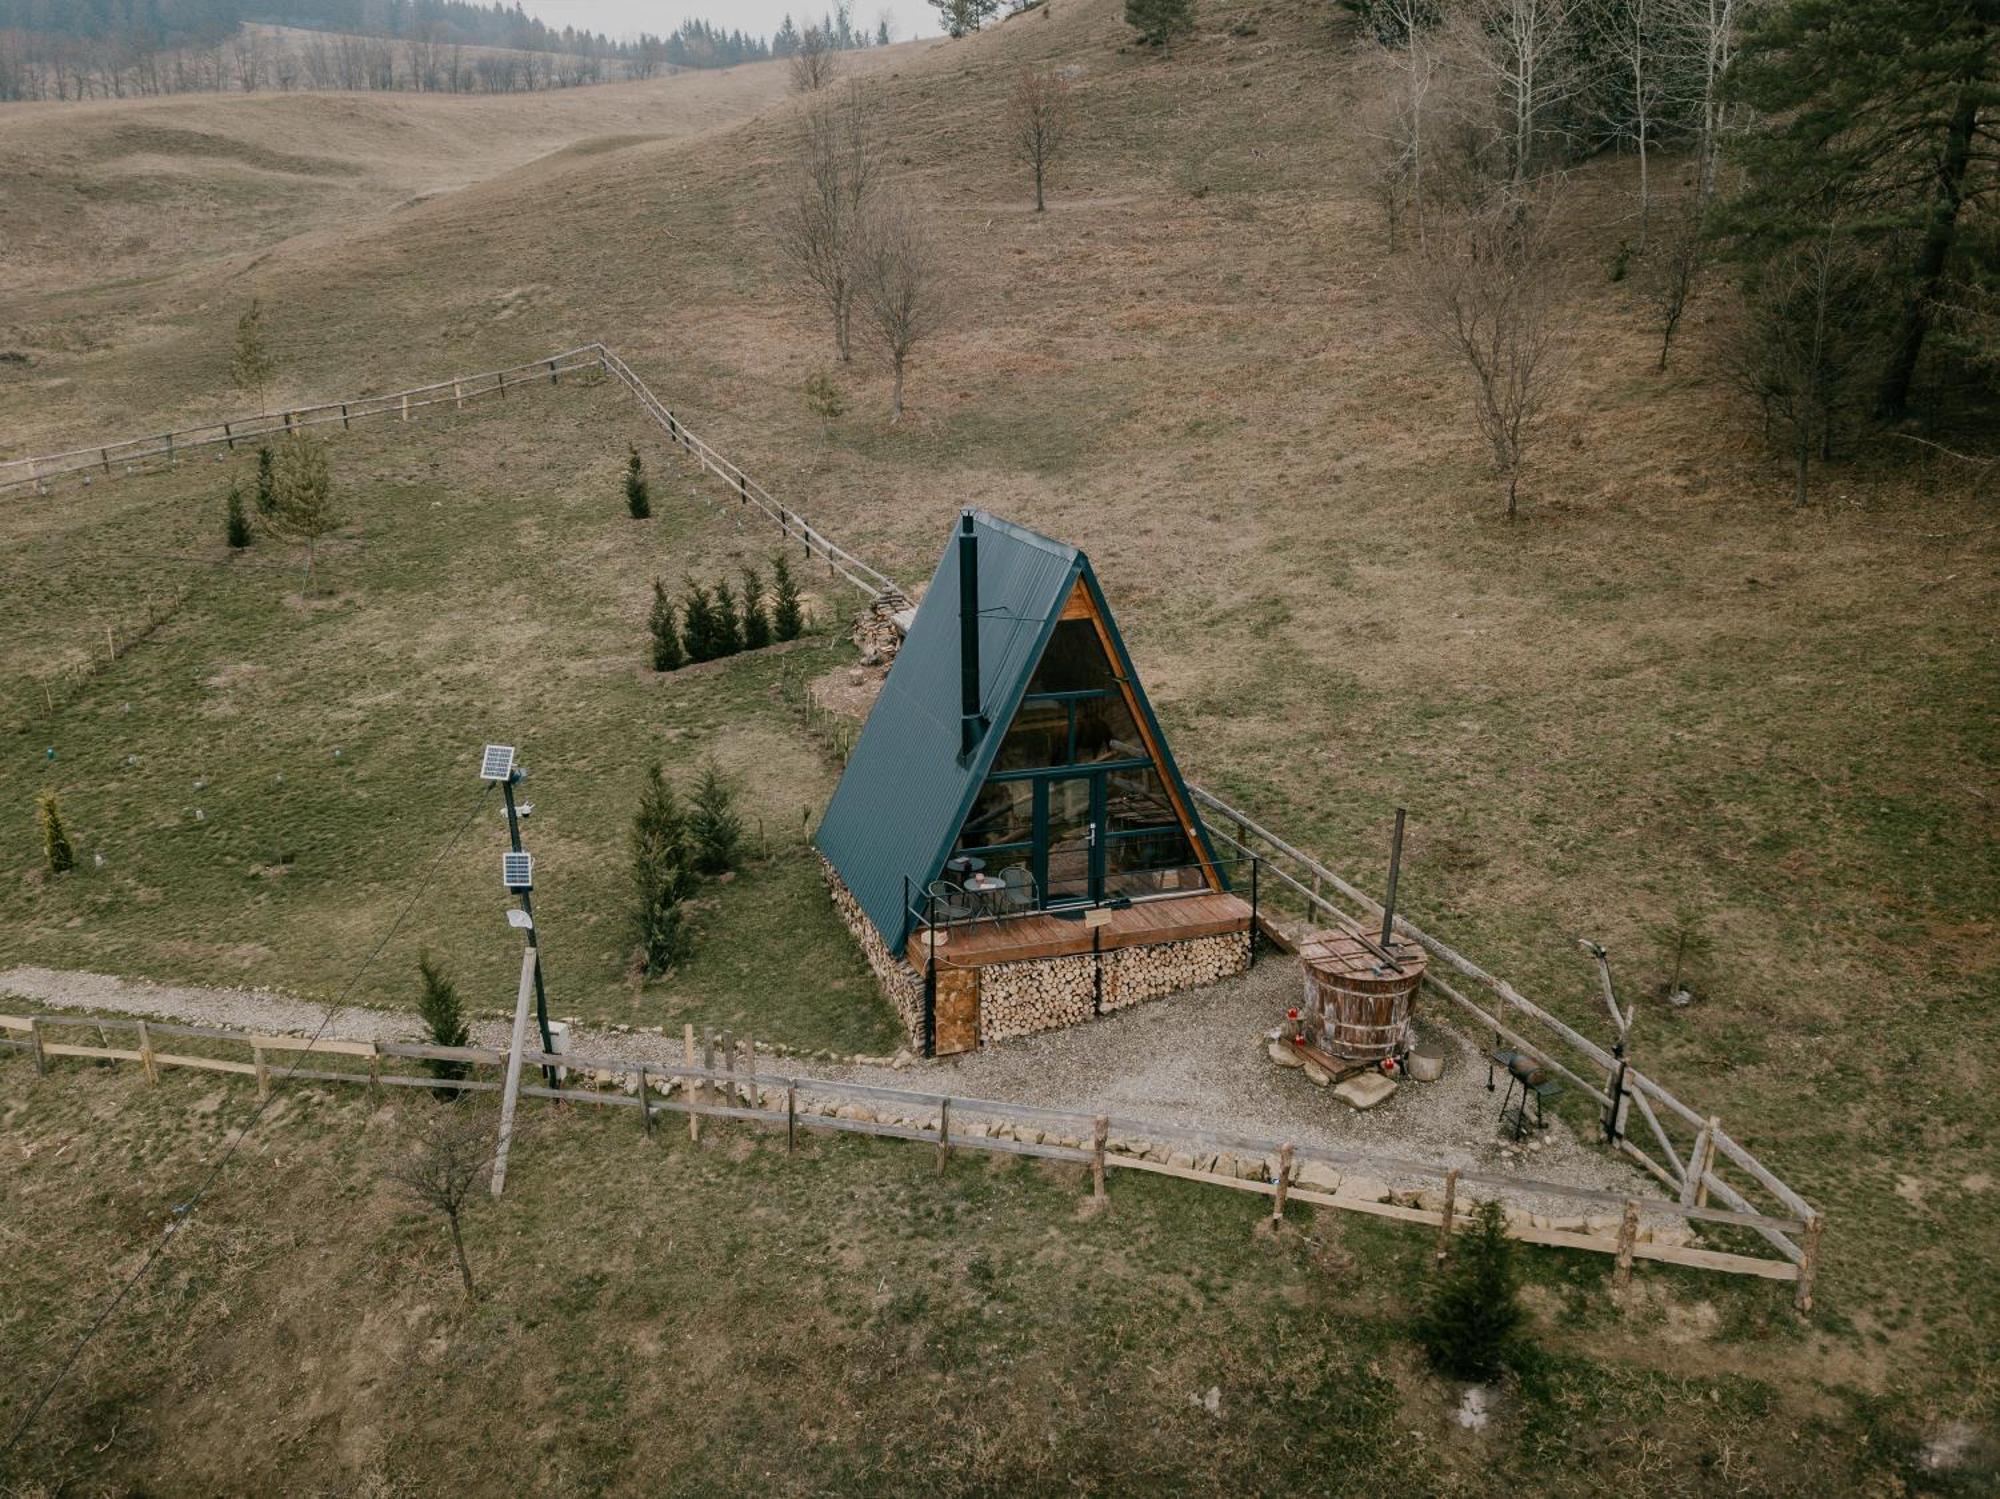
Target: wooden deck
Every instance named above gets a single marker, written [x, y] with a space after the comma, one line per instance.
[1014, 939]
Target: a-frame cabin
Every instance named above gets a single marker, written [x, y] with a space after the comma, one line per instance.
[1012, 806]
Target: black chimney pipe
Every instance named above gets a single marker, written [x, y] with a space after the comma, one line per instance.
[971, 724]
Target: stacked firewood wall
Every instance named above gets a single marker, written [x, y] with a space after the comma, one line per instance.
[1020, 999]
[1133, 975]
[901, 984]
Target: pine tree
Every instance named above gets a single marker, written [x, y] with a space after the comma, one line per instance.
[756, 623]
[726, 629]
[667, 652]
[250, 363]
[1472, 1328]
[787, 617]
[637, 500]
[714, 828]
[267, 482]
[1878, 110]
[661, 876]
[303, 505]
[444, 1022]
[60, 852]
[698, 622]
[237, 524]
[1158, 20]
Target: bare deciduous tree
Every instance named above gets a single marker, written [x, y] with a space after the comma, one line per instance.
[900, 278]
[1040, 112]
[1525, 48]
[1704, 35]
[1632, 34]
[1672, 271]
[816, 61]
[1391, 126]
[1797, 349]
[1483, 292]
[821, 218]
[446, 1167]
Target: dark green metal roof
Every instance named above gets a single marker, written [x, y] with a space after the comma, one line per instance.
[906, 791]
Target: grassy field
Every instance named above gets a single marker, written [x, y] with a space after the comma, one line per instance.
[723, 1319]
[1662, 688]
[259, 786]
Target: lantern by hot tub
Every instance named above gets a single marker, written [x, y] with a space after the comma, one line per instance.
[1360, 996]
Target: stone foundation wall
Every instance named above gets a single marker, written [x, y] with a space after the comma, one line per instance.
[901, 984]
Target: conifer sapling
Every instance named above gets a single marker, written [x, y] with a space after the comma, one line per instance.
[637, 499]
[56, 846]
[667, 653]
[726, 629]
[237, 524]
[787, 617]
[756, 623]
[715, 829]
[444, 1021]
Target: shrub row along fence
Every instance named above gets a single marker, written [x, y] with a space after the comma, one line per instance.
[1690, 1149]
[1625, 1228]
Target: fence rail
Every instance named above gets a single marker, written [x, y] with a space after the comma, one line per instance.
[1689, 1170]
[129, 453]
[1100, 1140]
[1688, 1166]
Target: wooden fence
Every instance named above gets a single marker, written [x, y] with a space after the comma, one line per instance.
[1689, 1167]
[1346, 1180]
[1691, 1148]
[132, 454]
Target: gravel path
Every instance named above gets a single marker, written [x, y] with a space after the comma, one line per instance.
[1195, 1059]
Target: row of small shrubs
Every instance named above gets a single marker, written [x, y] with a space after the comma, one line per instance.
[709, 623]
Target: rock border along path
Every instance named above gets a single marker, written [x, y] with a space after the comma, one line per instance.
[1195, 1059]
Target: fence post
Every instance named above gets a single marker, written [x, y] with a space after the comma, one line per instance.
[689, 1085]
[645, 1103]
[228, 437]
[457, 396]
[1284, 1183]
[743, 486]
[263, 1071]
[1255, 862]
[105, 454]
[791, 1117]
[374, 1073]
[555, 378]
[406, 405]
[1450, 1211]
[344, 423]
[1808, 1263]
[944, 1134]
[1693, 1193]
[1628, 1235]
[35, 1045]
[170, 450]
[1098, 1135]
[748, 1092]
[146, 1058]
[727, 1094]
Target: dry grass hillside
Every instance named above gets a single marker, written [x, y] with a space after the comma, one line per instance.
[1661, 689]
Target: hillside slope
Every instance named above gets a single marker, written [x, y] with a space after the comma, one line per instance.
[1662, 690]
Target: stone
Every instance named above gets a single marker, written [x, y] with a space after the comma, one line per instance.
[901, 1060]
[1227, 1165]
[1284, 1055]
[1180, 1160]
[1363, 1189]
[1365, 1090]
[1317, 1176]
[1316, 1077]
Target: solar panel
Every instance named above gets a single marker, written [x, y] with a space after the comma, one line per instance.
[497, 763]
[517, 871]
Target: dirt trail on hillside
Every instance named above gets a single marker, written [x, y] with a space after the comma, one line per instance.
[1196, 1060]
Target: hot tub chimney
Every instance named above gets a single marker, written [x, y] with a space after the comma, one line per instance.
[971, 722]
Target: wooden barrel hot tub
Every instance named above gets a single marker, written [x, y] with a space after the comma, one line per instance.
[1357, 1008]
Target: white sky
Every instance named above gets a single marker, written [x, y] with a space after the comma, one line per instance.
[623, 18]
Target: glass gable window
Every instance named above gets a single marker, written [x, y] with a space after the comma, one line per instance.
[1074, 797]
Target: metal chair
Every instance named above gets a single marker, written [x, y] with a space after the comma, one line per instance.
[1020, 894]
[948, 902]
